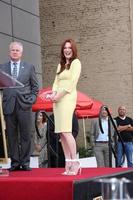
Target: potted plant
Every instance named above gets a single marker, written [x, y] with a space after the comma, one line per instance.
[86, 157]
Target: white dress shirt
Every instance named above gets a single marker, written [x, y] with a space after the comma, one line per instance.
[103, 136]
[18, 66]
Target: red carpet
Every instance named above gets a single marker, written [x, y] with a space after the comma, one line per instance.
[46, 184]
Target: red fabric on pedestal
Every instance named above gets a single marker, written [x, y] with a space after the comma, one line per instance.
[46, 183]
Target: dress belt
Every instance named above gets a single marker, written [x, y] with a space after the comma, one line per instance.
[101, 141]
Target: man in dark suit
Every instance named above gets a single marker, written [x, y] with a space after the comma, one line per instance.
[17, 103]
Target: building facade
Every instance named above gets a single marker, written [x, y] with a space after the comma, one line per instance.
[103, 31]
[19, 21]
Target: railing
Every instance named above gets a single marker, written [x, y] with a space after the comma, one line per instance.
[116, 137]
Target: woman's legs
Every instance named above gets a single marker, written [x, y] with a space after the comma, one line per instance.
[69, 145]
[72, 165]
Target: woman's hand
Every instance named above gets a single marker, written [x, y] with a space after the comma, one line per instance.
[50, 95]
[58, 96]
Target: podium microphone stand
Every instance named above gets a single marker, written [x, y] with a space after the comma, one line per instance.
[6, 81]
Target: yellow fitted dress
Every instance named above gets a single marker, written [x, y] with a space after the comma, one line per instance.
[64, 108]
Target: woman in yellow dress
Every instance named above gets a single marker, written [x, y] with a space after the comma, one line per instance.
[64, 97]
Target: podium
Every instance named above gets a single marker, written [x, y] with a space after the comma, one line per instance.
[6, 81]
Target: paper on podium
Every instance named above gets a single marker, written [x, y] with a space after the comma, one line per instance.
[7, 81]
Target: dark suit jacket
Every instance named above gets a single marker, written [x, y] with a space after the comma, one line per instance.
[26, 95]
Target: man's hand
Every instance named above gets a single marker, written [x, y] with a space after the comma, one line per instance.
[38, 147]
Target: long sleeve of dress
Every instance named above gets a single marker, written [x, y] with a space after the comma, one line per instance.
[55, 84]
[75, 70]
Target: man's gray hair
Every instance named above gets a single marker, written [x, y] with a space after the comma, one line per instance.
[16, 43]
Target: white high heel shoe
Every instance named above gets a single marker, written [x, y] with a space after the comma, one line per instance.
[68, 165]
[75, 167]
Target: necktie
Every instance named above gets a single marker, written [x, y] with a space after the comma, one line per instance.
[14, 71]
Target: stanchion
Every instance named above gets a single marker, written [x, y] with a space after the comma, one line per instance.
[114, 189]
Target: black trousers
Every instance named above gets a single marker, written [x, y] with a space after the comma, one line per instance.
[18, 127]
[61, 158]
